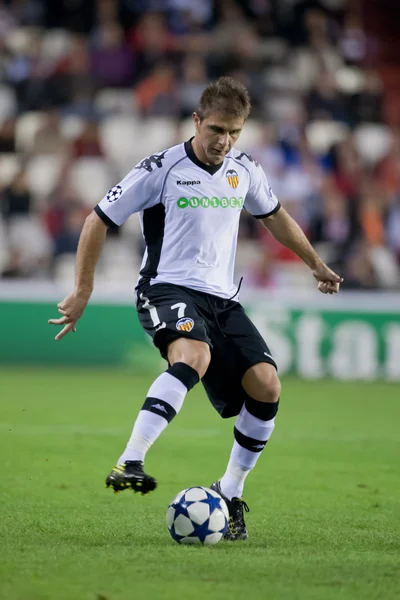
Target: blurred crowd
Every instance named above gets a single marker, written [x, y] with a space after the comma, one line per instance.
[89, 87]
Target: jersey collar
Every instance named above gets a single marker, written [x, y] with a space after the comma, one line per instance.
[190, 152]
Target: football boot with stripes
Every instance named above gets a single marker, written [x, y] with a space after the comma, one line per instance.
[130, 476]
[236, 525]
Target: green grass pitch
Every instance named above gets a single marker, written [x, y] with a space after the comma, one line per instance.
[324, 498]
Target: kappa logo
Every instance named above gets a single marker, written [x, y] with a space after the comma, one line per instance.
[159, 407]
[185, 324]
[233, 178]
[249, 157]
[149, 163]
[180, 182]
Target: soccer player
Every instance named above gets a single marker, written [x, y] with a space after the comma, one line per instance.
[190, 198]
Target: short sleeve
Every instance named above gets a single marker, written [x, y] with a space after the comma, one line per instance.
[260, 200]
[140, 189]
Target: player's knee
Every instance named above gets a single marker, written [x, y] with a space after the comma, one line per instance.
[199, 360]
[191, 352]
[269, 388]
[261, 383]
[273, 388]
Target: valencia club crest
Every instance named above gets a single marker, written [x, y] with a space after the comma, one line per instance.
[233, 178]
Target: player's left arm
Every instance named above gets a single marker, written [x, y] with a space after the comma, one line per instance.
[262, 203]
[286, 231]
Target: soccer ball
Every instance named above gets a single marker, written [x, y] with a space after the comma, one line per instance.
[197, 515]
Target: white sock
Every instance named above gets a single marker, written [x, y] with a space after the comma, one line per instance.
[251, 435]
[164, 400]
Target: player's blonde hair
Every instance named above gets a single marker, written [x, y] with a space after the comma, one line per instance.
[227, 96]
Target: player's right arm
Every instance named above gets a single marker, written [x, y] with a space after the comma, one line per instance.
[139, 190]
[90, 245]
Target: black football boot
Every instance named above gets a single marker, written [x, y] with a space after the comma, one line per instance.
[130, 476]
[236, 507]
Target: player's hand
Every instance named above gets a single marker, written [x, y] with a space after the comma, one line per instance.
[71, 308]
[328, 281]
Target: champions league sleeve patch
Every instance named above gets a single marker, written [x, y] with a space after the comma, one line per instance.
[114, 193]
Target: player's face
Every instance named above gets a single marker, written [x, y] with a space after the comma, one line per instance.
[215, 136]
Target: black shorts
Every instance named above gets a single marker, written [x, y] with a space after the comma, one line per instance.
[168, 311]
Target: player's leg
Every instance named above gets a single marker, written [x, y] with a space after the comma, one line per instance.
[188, 361]
[255, 372]
[253, 427]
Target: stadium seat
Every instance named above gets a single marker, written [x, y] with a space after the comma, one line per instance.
[121, 138]
[350, 80]
[126, 140]
[327, 251]
[118, 252]
[251, 136]
[283, 108]
[55, 44]
[19, 40]
[385, 267]
[157, 133]
[26, 129]
[114, 100]
[281, 79]
[118, 277]
[373, 142]
[9, 166]
[306, 66]
[120, 263]
[64, 270]
[293, 275]
[8, 104]
[91, 179]
[43, 172]
[273, 49]
[322, 135]
[72, 126]
[185, 130]
[28, 235]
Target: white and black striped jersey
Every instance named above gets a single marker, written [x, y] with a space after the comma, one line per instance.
[189, 214]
